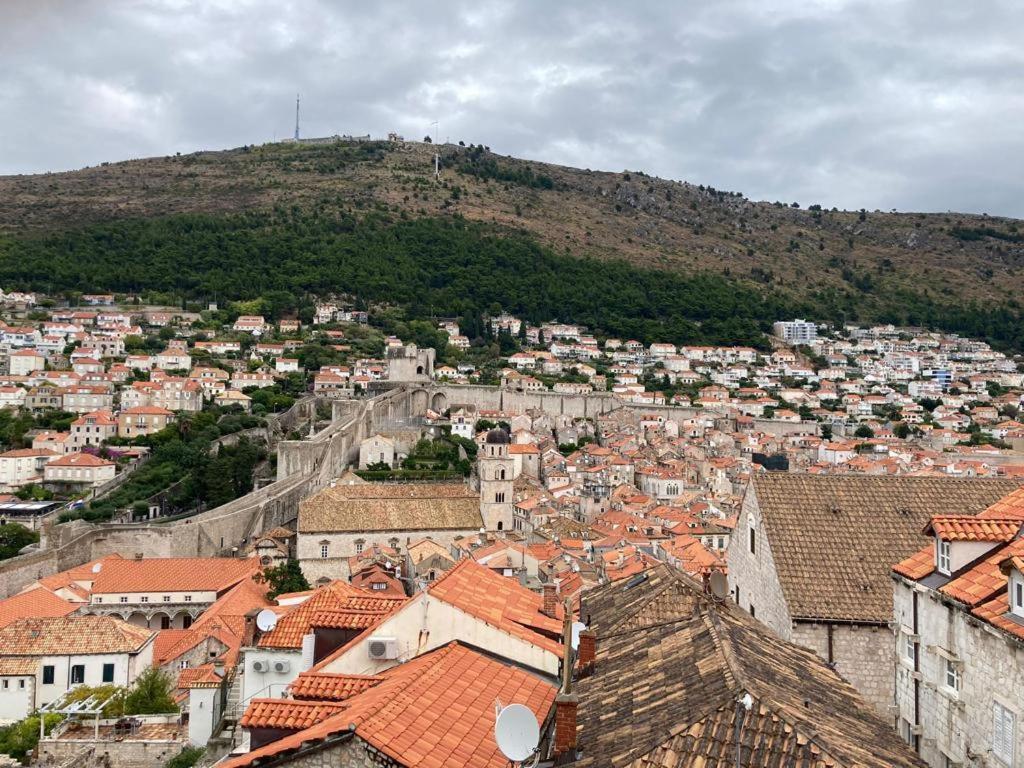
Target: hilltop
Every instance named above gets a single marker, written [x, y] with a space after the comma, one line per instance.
[958, 271]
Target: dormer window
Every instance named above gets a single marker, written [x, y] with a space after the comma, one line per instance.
[942, 556]
[1016, 588]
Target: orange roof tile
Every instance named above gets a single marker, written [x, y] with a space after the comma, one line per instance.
[63, 635]
[436, 710]
[337, 604]
[287, 714]
[203, 676]
[35, 603]
[327, 686]
[501, 602]
[173, 574]
[971, 528]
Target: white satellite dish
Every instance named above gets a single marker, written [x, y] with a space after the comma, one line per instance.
[516, 732]
[266, 620]
[719, 585]
[577, 627]
[97, 568]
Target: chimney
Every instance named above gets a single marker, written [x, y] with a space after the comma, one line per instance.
[586, 653]
[550, 600]
[565, 726]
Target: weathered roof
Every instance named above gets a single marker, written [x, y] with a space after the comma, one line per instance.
[672, 664]
[391, 507]
[71, 636]
[835, 538]
[287, 714]
[34, 603]
[329, 686]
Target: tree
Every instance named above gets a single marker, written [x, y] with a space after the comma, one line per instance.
[901, 430]
[13, 538]
[187, 758]
[151, 694]
[864, 431]
[286, 577]
[427, 140]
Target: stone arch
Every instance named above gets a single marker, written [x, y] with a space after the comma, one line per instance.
[439, 402]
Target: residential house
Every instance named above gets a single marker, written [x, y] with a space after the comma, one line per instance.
[142, 420]
[79, 469]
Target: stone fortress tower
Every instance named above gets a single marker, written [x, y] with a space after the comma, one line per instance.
[409, 363]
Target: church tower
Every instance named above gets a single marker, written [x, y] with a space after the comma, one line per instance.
[497, 471]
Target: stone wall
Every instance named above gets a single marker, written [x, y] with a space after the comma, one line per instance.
[350, 753]
[114, 754]
[992, 670]
[863, 655]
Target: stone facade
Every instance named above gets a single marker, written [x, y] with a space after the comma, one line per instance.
[863, 654]
[951, 724]
[352, 753]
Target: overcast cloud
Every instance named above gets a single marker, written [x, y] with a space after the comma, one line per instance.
[907, 104]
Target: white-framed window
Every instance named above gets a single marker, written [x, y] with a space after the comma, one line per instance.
[942, 558]
[124, 598]
[379, 585]
[144, 598]
[951, 674]
[188, 598]
[359, 547]
[909, 645]
[1003, 733]
[323, 550]
[1017, 594]
[167, 598]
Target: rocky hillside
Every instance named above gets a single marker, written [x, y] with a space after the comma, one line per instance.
[844, 263]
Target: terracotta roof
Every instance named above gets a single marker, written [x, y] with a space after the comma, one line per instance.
[287, 714]
[14, 666]
[202, 676]
[173, 574]
[327, 686]
[391, 507]
[337, 605]
[71, 635]
[671, 665]
[434, 711]
[835, 538]
[35, 603]
[969, 528]
[500, 602]
[80, 460]
[85, 572]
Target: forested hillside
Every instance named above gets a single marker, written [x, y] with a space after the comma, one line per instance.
[625, 253]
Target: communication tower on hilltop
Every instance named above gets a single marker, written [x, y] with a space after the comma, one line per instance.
[296, 117]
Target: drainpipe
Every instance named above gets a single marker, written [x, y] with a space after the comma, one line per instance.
[829, 628]
[917, 675]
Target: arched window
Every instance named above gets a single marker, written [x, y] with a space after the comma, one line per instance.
[503, 474]
[500, 525]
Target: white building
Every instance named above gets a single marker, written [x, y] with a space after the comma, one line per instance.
[43, 658]
[796, 331]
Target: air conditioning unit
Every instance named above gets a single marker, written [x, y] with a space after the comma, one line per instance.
[383, 648]
[259, 666]
[281, 667]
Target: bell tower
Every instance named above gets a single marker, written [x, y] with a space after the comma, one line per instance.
[497, 470]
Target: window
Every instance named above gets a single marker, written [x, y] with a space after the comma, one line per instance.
[98, 600]
[379, 585]
[124, 598]
[21, 683]
[1003, 726]
[77, 673]
[144, 599]
[48, 674]
[942, 559]
[752, 541]
[324, 549]
[108, 673]
[6, 683]
[359, 547]
[167, 598]
[753, 613]
[1017, 595]
[906, 730]
[952, 674]
[165, 622]
[909, 645]
[186, 622]
[188, 598]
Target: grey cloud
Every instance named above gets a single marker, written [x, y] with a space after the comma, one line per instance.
[907, 104]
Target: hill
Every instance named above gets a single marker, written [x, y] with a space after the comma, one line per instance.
[758, 260]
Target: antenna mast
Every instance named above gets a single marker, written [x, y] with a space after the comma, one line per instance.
[296, 117]
[437, 156]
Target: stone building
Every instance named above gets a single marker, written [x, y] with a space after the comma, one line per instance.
[377, 449]
[408, 363]
[341, 521]
[960, 639]
[811, 558]
[497, 475]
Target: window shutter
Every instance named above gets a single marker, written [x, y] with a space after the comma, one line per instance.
[1002, 733]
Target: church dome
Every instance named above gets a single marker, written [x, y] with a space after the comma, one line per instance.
[497, 437]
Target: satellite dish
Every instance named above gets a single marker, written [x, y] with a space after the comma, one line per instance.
[97, 568]
[719, 585]
[266, 620]
[516, 732]
[577, 627]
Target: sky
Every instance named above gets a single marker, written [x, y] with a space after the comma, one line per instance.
[914, 105]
